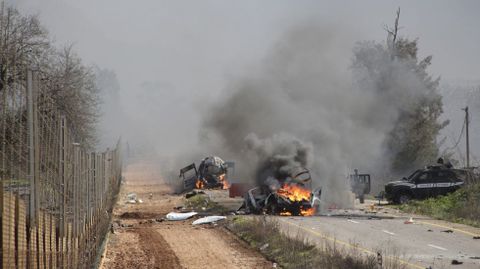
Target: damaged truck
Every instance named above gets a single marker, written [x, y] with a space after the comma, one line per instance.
[212, 173]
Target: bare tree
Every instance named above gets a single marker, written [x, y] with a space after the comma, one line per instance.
[393, 32]
[72, 85]
[23, 43]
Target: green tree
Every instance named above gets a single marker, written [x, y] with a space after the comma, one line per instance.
[409, 95]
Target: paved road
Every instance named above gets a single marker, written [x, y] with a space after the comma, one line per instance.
[414, 243]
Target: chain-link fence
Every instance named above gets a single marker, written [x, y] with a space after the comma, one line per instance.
[56, 198]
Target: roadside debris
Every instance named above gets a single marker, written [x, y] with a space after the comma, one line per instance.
[476, 237]
[447, 231]
[429, 230]
[410, 221]
[132, 196]
[456, 262]
[133, 199]
[208, 219]
[180, 216]
[263, 247]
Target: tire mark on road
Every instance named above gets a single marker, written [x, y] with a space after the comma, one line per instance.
[155, 246]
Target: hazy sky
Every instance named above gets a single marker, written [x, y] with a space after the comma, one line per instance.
[194, 48]
[203, 41]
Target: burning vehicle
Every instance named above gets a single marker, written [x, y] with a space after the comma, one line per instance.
[212, 173]
[292, 197]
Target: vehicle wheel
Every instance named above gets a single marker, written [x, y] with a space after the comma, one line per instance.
[362, 199]
[272, 208]
[296, 212]
[404, 198]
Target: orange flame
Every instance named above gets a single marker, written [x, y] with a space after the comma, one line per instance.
[199, 184]
[223, 180]
[294, 193]
[307, 212]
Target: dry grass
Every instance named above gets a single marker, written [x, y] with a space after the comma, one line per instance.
[296, 252]
[201, 202]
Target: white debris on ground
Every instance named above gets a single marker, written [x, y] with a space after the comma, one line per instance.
[133, 199]
[208, 219]
[180, 216]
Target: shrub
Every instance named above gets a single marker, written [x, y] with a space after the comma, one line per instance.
[462, 206]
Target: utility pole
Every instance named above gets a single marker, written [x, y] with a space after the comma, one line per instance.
[466, 136]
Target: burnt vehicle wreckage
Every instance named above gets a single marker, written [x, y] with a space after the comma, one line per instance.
[292, 196]
[212, 173]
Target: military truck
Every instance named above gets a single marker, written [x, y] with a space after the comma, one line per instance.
[212, 172]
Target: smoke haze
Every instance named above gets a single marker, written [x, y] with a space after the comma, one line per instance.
[256, 80]
[301, 108]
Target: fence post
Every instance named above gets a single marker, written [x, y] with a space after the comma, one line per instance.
[31, 147]
[61, 226]
[32, 240]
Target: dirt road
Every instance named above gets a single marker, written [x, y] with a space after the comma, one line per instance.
[140, 241]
